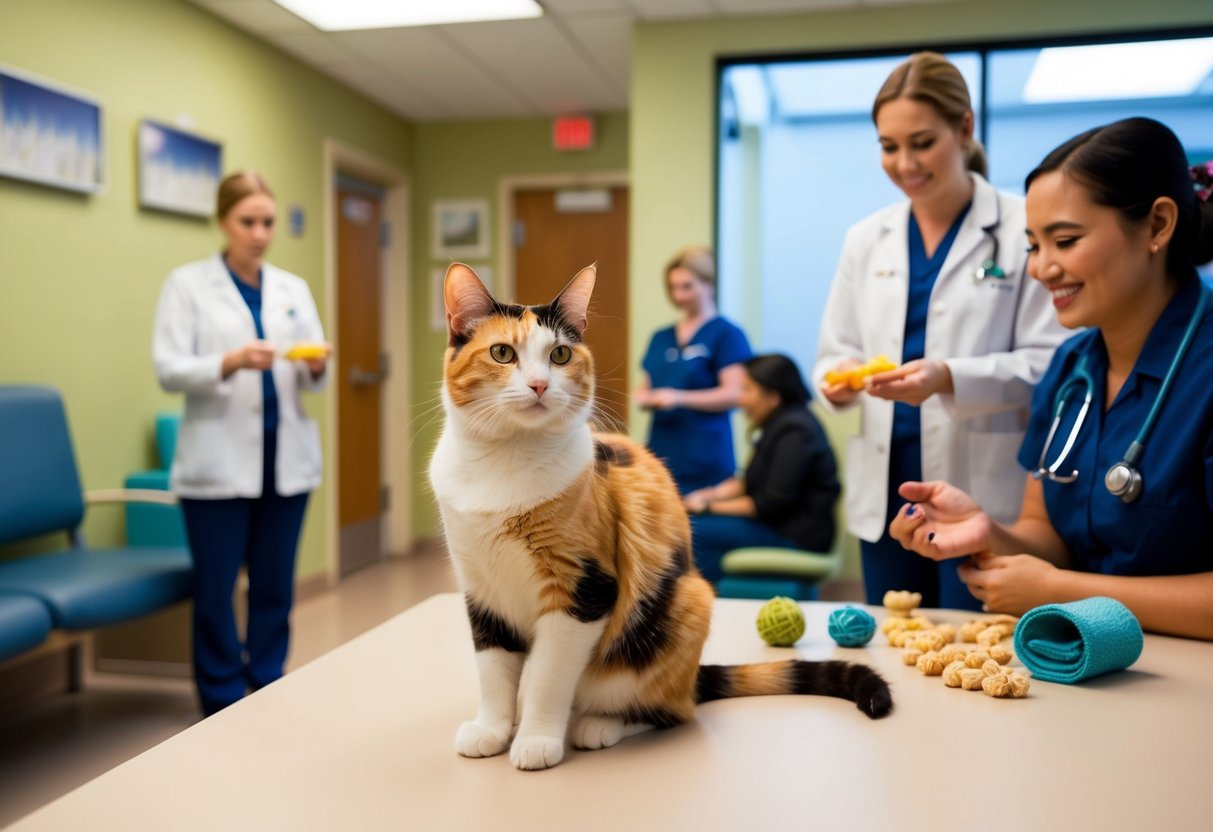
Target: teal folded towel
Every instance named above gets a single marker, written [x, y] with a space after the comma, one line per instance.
[1070, 643]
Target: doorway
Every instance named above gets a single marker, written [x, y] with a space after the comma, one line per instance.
[556, 233]
[361, 368]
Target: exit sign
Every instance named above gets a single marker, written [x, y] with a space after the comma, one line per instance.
[573, 133]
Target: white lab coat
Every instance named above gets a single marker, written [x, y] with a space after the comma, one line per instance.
[996, 336]
[201, 315]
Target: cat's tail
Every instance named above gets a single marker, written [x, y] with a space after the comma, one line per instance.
[855, 682]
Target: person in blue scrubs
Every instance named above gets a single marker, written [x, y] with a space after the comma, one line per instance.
[786, 497]
[693, 377]
[1116, 232]
[939, 286]
[247, 454]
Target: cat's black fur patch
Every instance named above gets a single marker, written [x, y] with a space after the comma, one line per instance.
[713, 682]
[549, 315]
[595, 594]
[647, 632]
[606, 454]
[491, 630]
[645, 715]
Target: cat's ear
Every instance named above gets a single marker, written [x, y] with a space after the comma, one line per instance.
[467, 299]
[574, 299]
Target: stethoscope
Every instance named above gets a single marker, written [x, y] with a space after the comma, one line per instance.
[989, 267]
[1123, 479]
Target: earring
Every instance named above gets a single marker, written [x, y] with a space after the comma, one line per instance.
[1154, 249]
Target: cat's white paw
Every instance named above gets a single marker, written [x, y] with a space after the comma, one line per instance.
[594, 732]
[531, 753]
[476, 740]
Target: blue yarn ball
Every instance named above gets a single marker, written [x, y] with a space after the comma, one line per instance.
[851, 627]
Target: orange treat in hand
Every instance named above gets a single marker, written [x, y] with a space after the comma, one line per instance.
[304, 351]
[855, 376]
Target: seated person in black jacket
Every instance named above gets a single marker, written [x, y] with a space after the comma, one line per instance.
[785, 498]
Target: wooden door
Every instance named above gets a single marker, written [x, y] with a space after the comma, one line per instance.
[358, 375]
[550, 247]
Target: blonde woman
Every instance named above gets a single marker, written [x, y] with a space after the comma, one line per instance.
[247, 455]
[693, 375]
[938, 284]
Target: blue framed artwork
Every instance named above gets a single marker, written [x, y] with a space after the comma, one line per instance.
[178, 171]
[49, 134]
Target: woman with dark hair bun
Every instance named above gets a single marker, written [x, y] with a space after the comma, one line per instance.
[1119, 497]
[786, 497]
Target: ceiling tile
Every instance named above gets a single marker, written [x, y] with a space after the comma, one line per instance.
[740, 7]
[609, 40]
[539, 63]
[583, 8]
[672, 9]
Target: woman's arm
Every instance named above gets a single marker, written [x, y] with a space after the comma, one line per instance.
[1177, 605]
[713, 399]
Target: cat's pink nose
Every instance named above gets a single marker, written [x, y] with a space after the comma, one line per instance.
[538, 387]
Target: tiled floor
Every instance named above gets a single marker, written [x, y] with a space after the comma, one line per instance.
[50, 748]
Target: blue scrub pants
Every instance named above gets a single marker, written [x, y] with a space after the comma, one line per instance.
[886, 565]
[715, 535]
[262, 534]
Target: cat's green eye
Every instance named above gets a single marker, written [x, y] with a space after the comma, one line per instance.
[562, 354]
[502, 353]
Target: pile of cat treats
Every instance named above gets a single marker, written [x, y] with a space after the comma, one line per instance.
[933, 649]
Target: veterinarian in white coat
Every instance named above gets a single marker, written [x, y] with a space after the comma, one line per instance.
[938, 285]
[247, 454]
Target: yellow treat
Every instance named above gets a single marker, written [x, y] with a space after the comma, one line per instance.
[854, 377]
[951, 674]
[972, 678]
[301, 352]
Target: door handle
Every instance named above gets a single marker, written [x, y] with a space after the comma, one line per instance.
[361, 378]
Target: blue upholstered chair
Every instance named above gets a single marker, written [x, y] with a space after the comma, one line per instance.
[153, 524]
[40, 494]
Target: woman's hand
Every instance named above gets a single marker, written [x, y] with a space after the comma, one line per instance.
[317, 365]
[841, 393]
[940, 521]
[913, 382]
[255, 355]
[1010, 584]
[697, 501]
[664, 398]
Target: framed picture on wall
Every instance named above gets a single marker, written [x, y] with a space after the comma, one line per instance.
[178, 171]
[50, 134]
[460, 229]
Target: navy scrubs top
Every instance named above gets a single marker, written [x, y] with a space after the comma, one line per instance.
[923, 273]
[1168, 529]
[269, 393]
[696, 446]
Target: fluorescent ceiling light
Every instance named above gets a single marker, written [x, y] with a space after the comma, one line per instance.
[1157, 69]
[340, 15]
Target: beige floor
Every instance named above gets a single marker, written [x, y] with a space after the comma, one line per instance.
[50, 748]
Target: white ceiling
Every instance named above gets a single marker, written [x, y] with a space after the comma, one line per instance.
[574, 59]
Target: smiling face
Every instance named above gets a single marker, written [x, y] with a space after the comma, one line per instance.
[922, 154]
[249, 228]
[1096, 266]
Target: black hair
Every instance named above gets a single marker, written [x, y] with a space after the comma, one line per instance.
[1129, 164]
[779, 374]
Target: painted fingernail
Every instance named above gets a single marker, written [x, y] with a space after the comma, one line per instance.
[930, 537]
[910, 511]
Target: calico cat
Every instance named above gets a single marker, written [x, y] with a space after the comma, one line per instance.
[572, 548]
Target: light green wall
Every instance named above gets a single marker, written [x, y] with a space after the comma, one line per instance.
[467, 160]
[79, 275]
[673, 100]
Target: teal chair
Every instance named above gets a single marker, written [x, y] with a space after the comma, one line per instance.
[762, 573]
[157, 525]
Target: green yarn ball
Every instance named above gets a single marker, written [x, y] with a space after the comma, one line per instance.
[851, 627]
[780, 622]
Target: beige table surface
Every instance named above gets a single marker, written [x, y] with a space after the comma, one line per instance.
[362, 738]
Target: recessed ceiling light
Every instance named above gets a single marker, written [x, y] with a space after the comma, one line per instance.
[1156, 69]
[388, 14]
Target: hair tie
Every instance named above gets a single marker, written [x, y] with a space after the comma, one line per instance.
[1202, 180]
